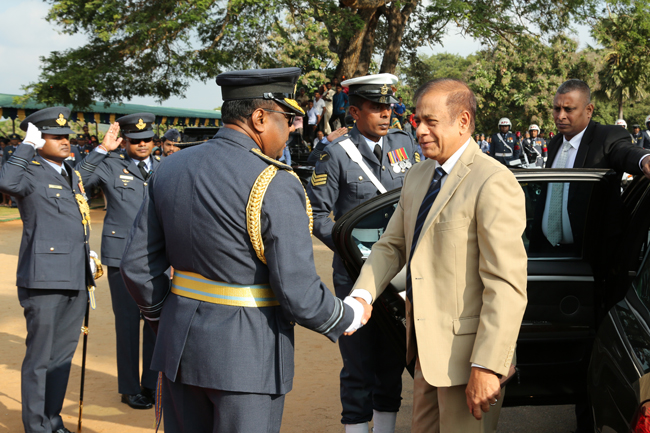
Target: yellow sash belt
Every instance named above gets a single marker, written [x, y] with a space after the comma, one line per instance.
[194, 286]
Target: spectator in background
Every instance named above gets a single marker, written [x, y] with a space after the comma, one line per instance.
[93, 141]
[399, 110]
[340, 103]
[328, 97]
[302, 97]
[86, 133]
[298, 122]
[485, 146]
[319, 105]
[313, 117]
[286, 156]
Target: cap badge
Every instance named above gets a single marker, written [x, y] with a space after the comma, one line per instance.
[140, 125]
[61, 121]
[384, 89]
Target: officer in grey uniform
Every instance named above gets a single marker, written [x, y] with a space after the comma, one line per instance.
[53, 262]
[123, 178]
[646, 134]
[14, 141]
[504, 144]
[234, 223]
[637, 136]
[371, 378]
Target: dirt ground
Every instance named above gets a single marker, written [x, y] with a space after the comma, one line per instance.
[312, 406]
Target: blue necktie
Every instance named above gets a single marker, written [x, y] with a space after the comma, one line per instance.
[425, 207]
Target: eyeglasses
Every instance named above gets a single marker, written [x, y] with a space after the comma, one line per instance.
[139, 140]
[289, 116]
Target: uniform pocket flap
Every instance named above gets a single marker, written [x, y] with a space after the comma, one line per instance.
[54, 191]
[124, 182]
[451, 225]
[466, 325]
[52, 247]
[353, 176]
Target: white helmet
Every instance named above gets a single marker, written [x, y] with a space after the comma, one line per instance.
[504, 121]
[533, 127]
[621, 122]
[647, 119]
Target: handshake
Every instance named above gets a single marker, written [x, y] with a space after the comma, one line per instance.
[362, 312]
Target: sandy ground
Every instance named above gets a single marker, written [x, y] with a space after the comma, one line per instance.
[312, 406]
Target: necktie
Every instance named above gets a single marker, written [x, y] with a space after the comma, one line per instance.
[554, 228]
[64, 173]
[377, 152]
[143, 170]
[425, 207]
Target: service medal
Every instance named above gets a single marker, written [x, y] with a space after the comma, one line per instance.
[399, 160]
[396, 168]
[408, 164]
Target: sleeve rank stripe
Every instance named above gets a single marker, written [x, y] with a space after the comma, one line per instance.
[21, 159]
[16, 163]
[334, 319]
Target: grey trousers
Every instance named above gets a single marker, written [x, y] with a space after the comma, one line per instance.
[192, 409]
[54, 319]
[127, 336]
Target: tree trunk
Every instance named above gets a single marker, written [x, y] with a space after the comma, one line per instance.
[620, 107]
[349, 55]
[396, 20]
[368, 46]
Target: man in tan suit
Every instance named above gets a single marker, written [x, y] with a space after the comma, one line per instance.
[457, 229]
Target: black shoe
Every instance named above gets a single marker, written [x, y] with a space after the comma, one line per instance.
[137, 401]
[150, 394]
[63, 430]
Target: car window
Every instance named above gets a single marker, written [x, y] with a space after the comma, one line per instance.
[368, 229]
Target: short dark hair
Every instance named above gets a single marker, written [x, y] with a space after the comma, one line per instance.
[575, 84]
[459, 97]
[329, 82]
[240, 109]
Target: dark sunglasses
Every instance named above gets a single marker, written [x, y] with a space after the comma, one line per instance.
[140, 140]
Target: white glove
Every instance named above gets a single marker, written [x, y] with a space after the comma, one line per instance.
[93, 265]
[34, 136]
[358, 313]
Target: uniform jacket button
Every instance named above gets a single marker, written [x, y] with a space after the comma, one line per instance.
[112, 232]
[51, 249]
[360, 177]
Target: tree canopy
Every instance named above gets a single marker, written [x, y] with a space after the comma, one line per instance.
[140, 48]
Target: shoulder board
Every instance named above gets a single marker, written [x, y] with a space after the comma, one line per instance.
[35, 162]
[270, 160]
[397, 130]
[115, 154]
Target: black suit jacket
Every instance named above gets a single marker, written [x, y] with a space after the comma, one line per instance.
[602, 146]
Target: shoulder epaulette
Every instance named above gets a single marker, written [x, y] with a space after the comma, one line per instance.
[396, 130]
[270, 160]
[115, 155]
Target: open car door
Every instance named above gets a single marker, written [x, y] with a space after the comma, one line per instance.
[566, 284]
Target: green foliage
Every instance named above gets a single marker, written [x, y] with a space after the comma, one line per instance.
[624, 33]
[519, 81]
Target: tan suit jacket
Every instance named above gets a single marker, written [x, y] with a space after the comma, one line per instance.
[468, 268]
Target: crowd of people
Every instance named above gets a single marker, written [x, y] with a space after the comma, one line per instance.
[212, 248]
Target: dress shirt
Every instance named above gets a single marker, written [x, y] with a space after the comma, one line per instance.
[312, 116]
[371, 144]
[319, 105]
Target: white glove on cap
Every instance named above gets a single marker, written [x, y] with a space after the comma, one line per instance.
[33, 136]
[358, 313]
[93, 265]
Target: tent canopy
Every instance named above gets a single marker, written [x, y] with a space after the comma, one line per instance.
[97, 113]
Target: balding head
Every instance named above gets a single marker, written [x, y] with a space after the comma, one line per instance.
[460, 97]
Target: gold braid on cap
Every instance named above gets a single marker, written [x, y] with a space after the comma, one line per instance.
[254, 209]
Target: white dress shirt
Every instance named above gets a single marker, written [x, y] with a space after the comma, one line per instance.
[371, 144]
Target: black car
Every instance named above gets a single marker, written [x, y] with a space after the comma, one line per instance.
[586, 328]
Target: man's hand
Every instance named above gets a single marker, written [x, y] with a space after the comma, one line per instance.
[645, 166]
[34, 136]
[483, 390]
[111, 140]
[365, 313]
[336, 134]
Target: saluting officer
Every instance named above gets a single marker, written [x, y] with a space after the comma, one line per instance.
[123, 178]
[504, 144]
[235, 225]
[362, 164]
[53, 263]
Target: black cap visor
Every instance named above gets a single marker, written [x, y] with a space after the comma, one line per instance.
[138, 134]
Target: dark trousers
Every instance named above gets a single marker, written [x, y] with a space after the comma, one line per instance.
[340, 117]
[54, 319]
[192, 409]
[371, 377]
[127, 335]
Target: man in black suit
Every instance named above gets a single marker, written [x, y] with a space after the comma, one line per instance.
[583, 143]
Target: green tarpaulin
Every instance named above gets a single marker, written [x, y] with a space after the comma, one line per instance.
[97, 113]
